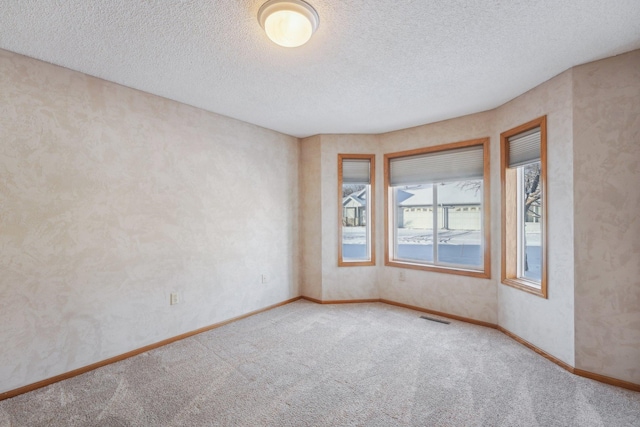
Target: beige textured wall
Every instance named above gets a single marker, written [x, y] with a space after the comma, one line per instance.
[464, 296]
[110, 199]
[607, 216]
[344, 283]
[321, 278]
[311, 235]
[546, 323]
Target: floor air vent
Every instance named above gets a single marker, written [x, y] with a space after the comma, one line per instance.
[435, 320]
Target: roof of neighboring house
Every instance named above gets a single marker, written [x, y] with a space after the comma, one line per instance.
[358, 198]
[351, 200]
[448, 194]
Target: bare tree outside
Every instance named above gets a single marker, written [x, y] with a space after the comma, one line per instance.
[532, 189]
[351, 188]
[532, 197]
[474, 186]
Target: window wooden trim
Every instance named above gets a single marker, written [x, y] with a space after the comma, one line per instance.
[371, 202]
[486, 200]
[508, 183]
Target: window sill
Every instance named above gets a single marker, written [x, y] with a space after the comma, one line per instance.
[531, 287]
[439, 269]
[356, 263]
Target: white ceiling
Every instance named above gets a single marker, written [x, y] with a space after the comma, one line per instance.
[373, 65]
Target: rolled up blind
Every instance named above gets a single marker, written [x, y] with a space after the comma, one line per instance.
[356, 171]
[524, 148]
[449, 165]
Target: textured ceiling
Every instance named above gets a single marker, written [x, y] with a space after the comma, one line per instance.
[372, 66]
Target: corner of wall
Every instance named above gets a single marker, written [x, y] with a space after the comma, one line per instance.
[606, 153]
[546, 323]
[310, 217]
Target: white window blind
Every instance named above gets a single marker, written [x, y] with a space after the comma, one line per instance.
[524, 148]
[441, 166]
[356, 171]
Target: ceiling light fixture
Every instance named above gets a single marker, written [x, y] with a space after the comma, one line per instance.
[289, 23]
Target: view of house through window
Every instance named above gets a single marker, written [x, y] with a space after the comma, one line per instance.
[355, 174]
[355, 219]
[449, 234]
[437, 208]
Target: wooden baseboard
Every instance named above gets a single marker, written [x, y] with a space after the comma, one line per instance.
[84, 369]
[317, 301]
[352, 301]
[566, 366]
[399, 304]
[576, 371]
[441, 314]
[536, 349]
[79, 371]
[341, 301]
[607, 380]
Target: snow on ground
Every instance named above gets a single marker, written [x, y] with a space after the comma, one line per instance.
[421, 236]
[458, 247]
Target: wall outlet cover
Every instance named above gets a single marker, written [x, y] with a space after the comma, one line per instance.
[174, 299]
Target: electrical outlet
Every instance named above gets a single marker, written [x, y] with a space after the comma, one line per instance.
[174, 298]
[403, 275]
[263, 278]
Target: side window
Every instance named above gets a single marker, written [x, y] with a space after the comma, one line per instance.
[356, 179]
[437, 208]
[523, 169]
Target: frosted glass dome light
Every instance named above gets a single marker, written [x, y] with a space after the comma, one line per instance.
[289, 23]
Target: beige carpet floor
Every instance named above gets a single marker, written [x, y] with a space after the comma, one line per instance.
[306, 364]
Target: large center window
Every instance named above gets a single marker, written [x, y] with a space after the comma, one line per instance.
[437, 208]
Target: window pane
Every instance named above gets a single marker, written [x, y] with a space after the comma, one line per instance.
[531, 254]
[414, 223]
[460, 223]
[437, 221]
[523, 174]
[355, 230]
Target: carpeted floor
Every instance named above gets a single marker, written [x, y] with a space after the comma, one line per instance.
[306, 364]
